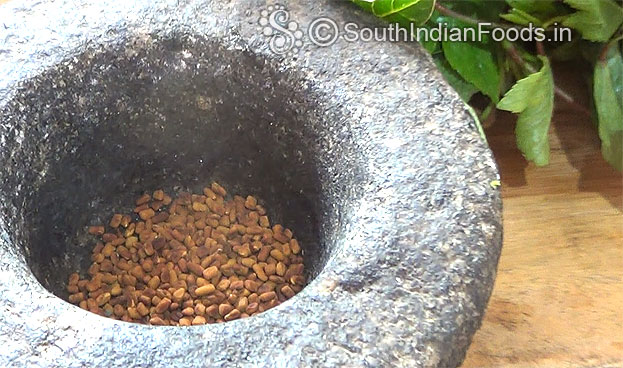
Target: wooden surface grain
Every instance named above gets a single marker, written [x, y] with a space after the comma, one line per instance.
[558, 296]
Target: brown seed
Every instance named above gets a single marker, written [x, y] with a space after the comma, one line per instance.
[157, 321]
[294, 246]
[205, 290]
[234, 314]
[198, 320]
[252, 308]
[263, 254]
[287, 291]
[223, 284]
[76, 298]
[96, 230]
[185, 321]
[259, 271]
[160, 217]
[210, 272]
[143, 199]
[115, 221]
[158, 195]
[163, 305]
[147, 213]
[268, 296]
[224, 309]
[219, 189]
[250, 202]
[195, 268]
[179, 294]
[142, 309]
[154, 282]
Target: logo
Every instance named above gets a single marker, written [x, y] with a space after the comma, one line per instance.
[284, 35]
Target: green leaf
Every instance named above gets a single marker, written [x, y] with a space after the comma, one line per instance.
[596, 20]
[404, 12]
[476, 63]
[609, 106]
[540, 9]
[518, 16]
[533, 99]
[465, 89]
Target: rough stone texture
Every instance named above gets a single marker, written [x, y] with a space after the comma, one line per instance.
[100, 100]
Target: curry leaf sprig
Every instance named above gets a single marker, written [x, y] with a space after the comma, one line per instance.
[516, 76]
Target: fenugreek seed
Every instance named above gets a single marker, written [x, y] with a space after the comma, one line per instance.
[294, 246]
[154, 282]
[262, 256]
[131, 241]
[210, 272]
[96, 230]
[270, 295]
[248, 262]
[143, 199]
[157, 321]
[115, 290]
[297, 280]
[224, 309]
[269, 269]
[147, 214]
[163, 305]
[234, 314]
[158, 195]
[142, 309]
[236, 285]
[76, 298]
[205, 290]
[199, 320]
[160, 217]
[287, 291]
[200, 207]
[188, 311]
[252, 308]
[280, 269]
[218, 189]
[259, 271]
[277, 254]
[179, 294]
[195, 268]
[250, 202]
[223, 284]
[280, 237]
[185, 321]
[115, 221]
[254, 230]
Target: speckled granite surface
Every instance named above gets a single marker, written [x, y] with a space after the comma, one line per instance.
[101, 100]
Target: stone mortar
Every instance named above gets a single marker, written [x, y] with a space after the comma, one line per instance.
[361, 148]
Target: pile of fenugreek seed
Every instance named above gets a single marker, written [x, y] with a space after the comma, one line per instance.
[191, 260]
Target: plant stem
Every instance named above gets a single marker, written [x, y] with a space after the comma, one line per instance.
[512, 52]
[469, 20]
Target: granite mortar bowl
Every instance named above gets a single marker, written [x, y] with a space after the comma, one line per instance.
[362, 149]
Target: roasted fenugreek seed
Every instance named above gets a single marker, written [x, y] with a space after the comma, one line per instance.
[205, 290]
[96, 230]
[224, 309]
[210, 272]
[158, 195]
[203, 259]
[143, 199]
[234, 314]
[270, 295]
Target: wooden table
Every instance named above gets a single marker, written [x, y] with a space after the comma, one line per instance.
[558, 297]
